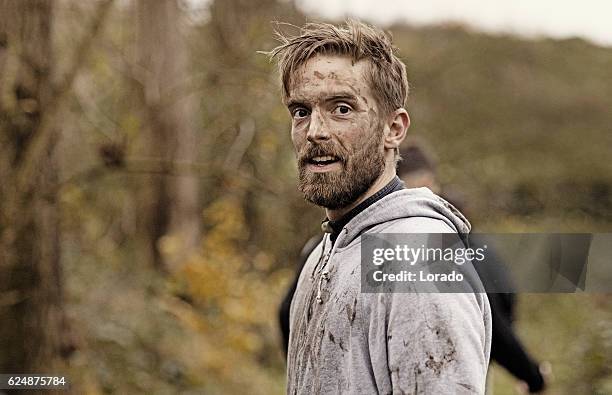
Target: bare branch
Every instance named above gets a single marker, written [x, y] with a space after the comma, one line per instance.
[37, 146]
[242, 142]
[101, 121]
[162, 168]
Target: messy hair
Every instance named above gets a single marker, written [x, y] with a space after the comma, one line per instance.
[386, 74]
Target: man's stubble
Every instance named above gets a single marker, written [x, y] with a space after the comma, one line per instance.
[338, 189]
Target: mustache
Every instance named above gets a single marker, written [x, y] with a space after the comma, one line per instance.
[309, 151]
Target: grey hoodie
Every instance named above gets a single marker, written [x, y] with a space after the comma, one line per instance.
[348, 342]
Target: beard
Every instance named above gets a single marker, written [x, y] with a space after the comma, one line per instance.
[338, 189]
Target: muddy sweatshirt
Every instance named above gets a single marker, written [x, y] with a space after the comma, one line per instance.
[343, 341]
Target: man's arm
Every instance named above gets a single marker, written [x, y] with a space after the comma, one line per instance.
[509, 352]
[429, 343]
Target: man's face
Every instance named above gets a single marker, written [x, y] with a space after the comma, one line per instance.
[337, 131]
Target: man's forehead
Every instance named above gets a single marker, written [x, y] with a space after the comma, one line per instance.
[306, 91]
[332, 67]
[329, 75]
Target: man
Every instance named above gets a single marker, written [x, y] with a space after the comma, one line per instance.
[418, 169]
[345, 90]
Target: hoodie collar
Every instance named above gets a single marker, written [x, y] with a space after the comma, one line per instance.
[335, 227]
[406, 203]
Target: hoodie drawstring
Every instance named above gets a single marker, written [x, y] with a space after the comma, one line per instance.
[321, 264]
[324, 276]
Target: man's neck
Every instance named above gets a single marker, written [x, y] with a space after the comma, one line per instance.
[380, 182]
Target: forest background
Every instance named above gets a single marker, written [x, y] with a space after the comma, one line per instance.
[149, 217]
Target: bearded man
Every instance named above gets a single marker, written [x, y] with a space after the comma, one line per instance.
[346, 89]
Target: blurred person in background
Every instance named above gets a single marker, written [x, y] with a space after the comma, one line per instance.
[345, 89]
[416, 169]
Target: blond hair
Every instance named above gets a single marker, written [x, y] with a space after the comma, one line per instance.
[386, 74]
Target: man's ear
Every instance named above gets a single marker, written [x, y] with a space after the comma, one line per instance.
[399, 122]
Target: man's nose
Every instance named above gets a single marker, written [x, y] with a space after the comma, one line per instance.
[317, 129]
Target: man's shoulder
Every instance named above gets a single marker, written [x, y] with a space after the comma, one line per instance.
[417, 225]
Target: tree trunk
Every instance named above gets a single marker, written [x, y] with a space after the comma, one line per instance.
[170, 216]
[31, 294]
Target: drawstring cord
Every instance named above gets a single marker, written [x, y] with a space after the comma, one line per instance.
[314, 269]
[325, 274]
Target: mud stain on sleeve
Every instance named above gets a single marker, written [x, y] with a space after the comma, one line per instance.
[448, 354]
[468, 387]
[417, 371]
[351, 311]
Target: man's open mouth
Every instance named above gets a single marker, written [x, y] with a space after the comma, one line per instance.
[323, 160]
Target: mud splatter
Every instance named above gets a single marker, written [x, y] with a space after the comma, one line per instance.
[447, 358]
[333, 340]
[467, 386]
[434, 365]
[320, 338]
[351, 311]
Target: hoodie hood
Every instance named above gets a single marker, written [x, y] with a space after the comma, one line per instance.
[414, 202]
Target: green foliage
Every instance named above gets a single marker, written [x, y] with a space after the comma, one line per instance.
[520, 126]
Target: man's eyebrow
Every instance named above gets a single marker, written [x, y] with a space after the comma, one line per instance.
[342, 96]
[293, 102]
[348, 96]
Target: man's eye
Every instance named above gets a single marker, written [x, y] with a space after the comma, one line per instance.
[342, 109]
[300, 113]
